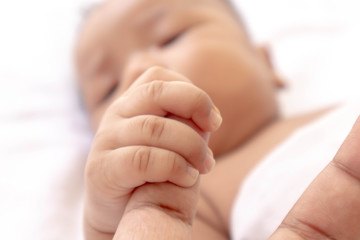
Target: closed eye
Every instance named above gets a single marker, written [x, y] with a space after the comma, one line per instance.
[110, 92]
[173, 39]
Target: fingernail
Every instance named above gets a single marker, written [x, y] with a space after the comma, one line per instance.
[192, 176]
[215, 118]
[209, 161]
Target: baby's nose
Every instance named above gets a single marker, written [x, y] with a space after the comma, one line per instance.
[138, 63]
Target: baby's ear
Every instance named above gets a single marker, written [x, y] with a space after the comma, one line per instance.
[265, 54]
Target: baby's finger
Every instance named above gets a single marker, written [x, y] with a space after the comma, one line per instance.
[330, 207]
[129, 167]
[176, 97]
[159, 132]
[158, 73]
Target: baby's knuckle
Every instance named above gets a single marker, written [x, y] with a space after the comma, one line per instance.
[101, 135]
[154, 72]
[104, 139]
[155, 89]
[141, 159]
[95, 174]
[153, 127]
[115, 108]
[91, 169]
[200, 98]
[172, 162]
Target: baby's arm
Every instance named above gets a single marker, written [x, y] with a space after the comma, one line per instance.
[147, 154]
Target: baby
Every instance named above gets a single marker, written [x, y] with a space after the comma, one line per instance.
[155, 75]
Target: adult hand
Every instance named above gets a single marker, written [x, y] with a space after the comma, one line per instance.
[330, 207]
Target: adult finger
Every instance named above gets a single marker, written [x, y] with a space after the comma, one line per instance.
[330, 207]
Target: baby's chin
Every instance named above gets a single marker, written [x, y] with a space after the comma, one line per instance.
[227, 139]
[219, 144]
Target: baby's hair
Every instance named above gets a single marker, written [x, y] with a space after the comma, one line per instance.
[229, 4]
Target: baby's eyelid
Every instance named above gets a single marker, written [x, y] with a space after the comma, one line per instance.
[110, 90]
[173, 38]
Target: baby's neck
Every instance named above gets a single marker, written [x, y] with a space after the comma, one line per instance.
[277, 131]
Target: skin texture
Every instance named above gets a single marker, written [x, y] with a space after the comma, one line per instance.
[330, 207]
[154, 86]
[121, 170]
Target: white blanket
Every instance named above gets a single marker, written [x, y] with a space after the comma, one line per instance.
[315, 46]
[44, 136]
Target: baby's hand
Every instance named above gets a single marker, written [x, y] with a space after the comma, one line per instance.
[156, 132]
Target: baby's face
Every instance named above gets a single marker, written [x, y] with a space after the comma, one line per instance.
[200, 39]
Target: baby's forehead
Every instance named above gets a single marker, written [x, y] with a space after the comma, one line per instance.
[103, 18]
[95, 5]
[132, 13]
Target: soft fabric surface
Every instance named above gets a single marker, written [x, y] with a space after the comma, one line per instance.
[44, 133]
[44, 136]
[315, 48]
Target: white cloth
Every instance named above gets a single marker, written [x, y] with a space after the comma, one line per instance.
[274, 186]
[43, 134]
[314, 47]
